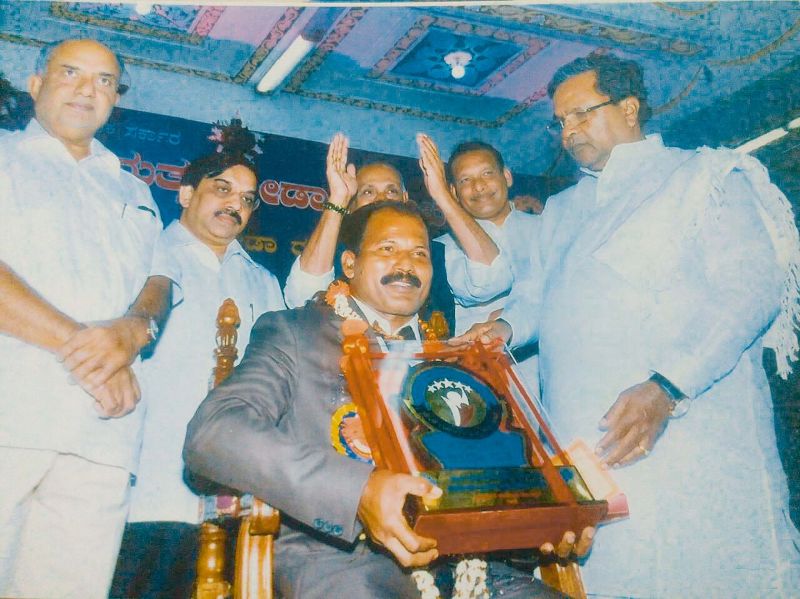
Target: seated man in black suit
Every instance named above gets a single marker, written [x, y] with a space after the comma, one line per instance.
[267, 429]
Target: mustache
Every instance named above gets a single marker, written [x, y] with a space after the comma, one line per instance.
[401, 277]
[234, 214]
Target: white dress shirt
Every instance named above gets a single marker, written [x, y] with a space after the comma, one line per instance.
[517, 240]
[81, 234]
[178, 375]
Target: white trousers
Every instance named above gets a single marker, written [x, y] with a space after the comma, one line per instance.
[61, 523]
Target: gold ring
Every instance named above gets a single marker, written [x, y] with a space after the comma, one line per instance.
[644, 450]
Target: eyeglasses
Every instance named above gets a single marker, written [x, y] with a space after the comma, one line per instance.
[249, 199]
[578, 117]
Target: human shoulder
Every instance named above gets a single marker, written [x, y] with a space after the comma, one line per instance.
[292, 331]
[140, 190]
[569, 196]
[10, 146]
[308, 316]
[724, 169]
[269, 282]
[525, 219]
[446, 239]
[258, 270]
[136, 183]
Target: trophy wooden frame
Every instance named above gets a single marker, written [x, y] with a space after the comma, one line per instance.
[542, 498]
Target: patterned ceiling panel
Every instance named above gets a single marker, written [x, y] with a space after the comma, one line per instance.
[310, 79]
[185, 23]
[417, 59]
[184, 39]
[602, 32]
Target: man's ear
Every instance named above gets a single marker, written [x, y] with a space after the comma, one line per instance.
[405, 195]
[349, 263]
[508, 176]
[34, 85]
[185, 194]
[630, 107]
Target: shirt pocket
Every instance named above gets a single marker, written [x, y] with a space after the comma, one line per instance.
[137, 232]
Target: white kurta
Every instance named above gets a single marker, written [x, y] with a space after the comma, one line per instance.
[80, 233]
[176, 378]
[639, 279]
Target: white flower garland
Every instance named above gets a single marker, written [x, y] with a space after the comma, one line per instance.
[470, 581]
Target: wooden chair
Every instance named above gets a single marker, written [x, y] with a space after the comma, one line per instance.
[254, 544]
[257, 530]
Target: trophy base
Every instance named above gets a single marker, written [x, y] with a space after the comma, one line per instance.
[482, 531]
[495, 509]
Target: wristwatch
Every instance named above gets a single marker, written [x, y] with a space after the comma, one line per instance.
[152, 329]
[679, 403]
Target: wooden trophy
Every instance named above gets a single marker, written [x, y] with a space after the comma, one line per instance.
[463, 419]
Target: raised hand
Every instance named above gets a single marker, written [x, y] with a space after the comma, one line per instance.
[381, 512]
[634, 423]
[119, 395]
[433, 169]
[341, 176]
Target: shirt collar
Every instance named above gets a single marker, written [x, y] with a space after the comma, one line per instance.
[372, 316]
[180, 235]
[34, 133]
[628, 155]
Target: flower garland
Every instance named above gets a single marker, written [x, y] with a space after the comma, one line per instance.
[337, 297]
[470, 579]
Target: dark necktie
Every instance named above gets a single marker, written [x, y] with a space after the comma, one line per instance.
[407, 333]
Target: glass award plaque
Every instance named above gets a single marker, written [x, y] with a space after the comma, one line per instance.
[463, 419]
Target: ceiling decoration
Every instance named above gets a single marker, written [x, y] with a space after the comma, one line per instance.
[391, 58]
[347, 24]
[687, 10]
[187, 24]
[417, 58]
[192, 25]
[585, 27]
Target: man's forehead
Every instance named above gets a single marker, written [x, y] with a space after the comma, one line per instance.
[576, 91]
[85, 53]
[238, 173]
[375, 174]
[478, 156]
[389, 224]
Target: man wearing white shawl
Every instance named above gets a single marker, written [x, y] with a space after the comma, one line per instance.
[666, 272]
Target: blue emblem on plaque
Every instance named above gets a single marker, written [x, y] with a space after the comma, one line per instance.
[457, 419]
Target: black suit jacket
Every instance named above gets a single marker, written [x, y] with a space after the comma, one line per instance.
[266, 429]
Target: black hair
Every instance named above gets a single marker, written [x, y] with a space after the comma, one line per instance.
[617, 78]
[212, 165]
[16, 106]
[236, 142]
[123, 83]
[473, 146]
[355, 225]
